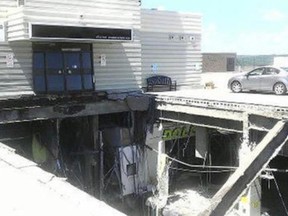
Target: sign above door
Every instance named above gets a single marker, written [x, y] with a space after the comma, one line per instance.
[54, 32]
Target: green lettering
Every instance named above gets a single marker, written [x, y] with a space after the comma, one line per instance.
[192, 130]
[167, 134]
[185, 132]
[176, 133]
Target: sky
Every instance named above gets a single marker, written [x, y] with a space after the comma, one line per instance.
[247, 27]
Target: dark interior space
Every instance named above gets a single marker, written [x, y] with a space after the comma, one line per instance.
[18, 136]
[224, 152]
[76, 151]
[76, 157]
[275, 190]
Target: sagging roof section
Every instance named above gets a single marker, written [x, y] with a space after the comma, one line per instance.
[29, 190]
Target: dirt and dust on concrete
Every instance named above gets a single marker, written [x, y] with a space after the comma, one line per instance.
[191, 195]
[216, 80]
[188, 195]
[189, 202]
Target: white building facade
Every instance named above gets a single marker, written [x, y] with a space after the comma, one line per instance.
[52, 47]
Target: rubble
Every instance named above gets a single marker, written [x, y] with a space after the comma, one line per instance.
[186, 202]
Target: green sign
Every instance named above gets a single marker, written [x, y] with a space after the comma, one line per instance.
[178, 133]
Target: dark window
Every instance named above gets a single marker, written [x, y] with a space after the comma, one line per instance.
[72, 60]
[271, 71]
[256, 72]
[88, 81]
[55, 83]
[62, 68]
[53, 31]
[86, 60]
[131, 169]
[230, 64]
[54, 60]
[38, 61]
[21, 3]
[74, 82]
[39, 72]
[39, 83]
[87, 68]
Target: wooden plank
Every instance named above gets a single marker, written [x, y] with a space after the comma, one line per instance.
[249, 170]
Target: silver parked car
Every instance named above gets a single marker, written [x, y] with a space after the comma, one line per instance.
[268, 78]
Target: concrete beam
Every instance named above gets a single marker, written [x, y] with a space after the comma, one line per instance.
[209, 100]
[215, 113]
[26, 188]
[261, 123]
[61, 111]
[248, 171]
[202, 121]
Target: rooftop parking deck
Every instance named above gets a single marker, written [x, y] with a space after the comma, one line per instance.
[255, 103]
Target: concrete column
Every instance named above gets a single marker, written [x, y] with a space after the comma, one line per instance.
[250, 203]
[96, 160]
[153, 140]
[157, 169]
[202, 142]
[244, 149]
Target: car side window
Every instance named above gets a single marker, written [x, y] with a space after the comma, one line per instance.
[256, 72]
[271, 71]
[276, 71]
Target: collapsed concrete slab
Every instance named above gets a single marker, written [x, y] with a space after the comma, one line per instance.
[28, 190]
[248, 171]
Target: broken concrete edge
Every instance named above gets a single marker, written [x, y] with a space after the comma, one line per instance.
[240, 172]
[53, 184]
[179, 98]
[136, 100]
[159, 200]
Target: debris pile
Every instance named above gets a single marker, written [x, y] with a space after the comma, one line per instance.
[186, 202]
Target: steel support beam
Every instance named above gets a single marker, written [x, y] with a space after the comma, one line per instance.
[248, 171]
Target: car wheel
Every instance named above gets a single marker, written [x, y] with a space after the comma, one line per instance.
[236, 86]
[279, 88]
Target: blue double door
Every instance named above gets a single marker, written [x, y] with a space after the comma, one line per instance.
[62, 71]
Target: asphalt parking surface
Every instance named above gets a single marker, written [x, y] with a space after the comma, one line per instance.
[222, 93]
[228, 96]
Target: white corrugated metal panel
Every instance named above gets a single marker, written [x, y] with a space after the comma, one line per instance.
[123, 69]
[123, 65]
[5, 6]
[16, 74]
[169, 21]
[123, 60]
[171, 45]
[88, 13]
